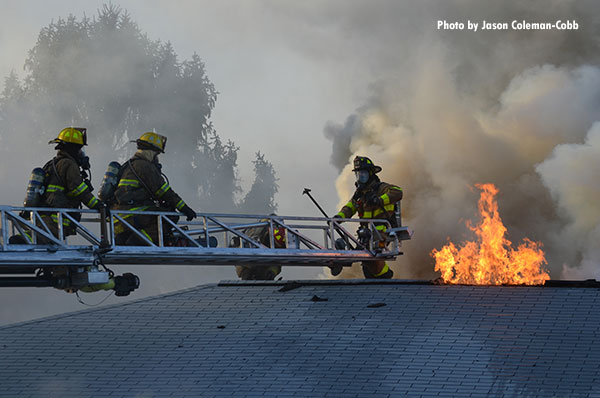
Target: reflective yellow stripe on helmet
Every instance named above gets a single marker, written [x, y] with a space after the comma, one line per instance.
[162, 190]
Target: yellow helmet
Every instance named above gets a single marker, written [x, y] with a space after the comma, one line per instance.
[155, 141]
[71, 135]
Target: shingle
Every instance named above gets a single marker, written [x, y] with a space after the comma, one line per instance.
[252, 340]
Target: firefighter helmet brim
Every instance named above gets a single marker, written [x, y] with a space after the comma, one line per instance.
[364, 163]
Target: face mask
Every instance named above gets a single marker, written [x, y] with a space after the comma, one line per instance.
[83, 160]
[362, 176]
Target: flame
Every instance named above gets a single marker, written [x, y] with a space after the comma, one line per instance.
[491, 260]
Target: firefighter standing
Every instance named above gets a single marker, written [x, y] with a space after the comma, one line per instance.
[142, 187]
[372, 199]
[66, 185]
[66, 179]
[258, 272]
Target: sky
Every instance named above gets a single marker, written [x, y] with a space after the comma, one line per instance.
[312, 84]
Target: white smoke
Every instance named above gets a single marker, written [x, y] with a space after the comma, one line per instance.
[436, 136]
[571, 173]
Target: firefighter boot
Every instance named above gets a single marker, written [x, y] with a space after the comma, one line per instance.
[370, 271]
[17, 240]
[125, 284]
[340, 244]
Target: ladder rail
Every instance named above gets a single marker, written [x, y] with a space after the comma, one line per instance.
[80, 247]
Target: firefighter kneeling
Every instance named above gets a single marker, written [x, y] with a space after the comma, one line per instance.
[376, 200]
[258, 272]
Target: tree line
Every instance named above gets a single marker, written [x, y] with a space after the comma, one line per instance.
[105, 74]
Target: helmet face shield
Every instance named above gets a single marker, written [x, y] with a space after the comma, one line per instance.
[362, 176]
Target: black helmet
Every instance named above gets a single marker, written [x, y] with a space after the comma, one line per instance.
[364, 163]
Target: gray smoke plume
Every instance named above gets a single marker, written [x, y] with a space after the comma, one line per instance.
[448, 109]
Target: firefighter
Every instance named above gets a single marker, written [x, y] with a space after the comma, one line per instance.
[142, 187]
[67, 186]
[258, 272]
[372, 199]
[66, 180]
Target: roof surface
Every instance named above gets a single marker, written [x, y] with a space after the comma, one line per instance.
[367, 339]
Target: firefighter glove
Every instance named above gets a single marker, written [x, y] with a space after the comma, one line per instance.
[189, 213]
[375, 201]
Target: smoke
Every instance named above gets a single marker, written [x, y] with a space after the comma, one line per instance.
[571, 174]
[439, 111]
[448, 109]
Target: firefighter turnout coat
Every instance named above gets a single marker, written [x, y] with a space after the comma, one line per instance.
[390, 194]
[64, 186]
[66, 189]
[141, 185]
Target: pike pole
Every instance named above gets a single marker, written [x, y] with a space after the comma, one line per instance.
[307, 192]
[342, 235]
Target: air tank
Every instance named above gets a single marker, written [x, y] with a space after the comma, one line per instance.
[109, 182]
[35, 188]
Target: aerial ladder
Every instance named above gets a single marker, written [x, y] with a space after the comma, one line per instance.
[31, 256]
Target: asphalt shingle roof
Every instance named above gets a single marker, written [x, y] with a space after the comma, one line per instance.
[321, 338]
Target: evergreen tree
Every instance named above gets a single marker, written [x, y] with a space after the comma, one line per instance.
[260, 198]
[103, 73]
